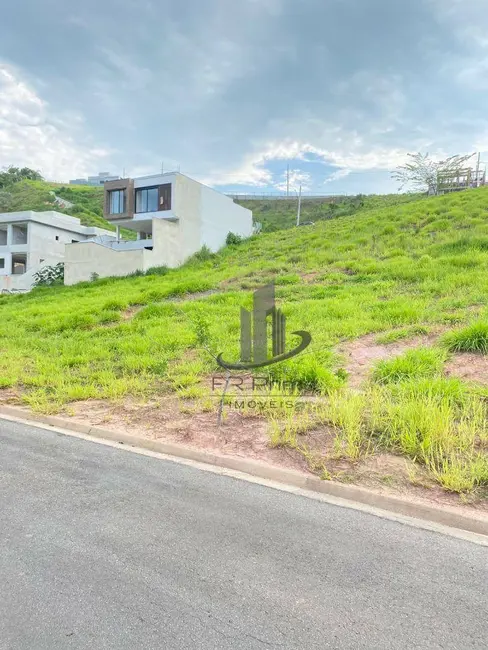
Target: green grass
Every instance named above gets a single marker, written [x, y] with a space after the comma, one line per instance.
[39, 196]
[471, 339]
[387, 271]
[278, 214]
[414, 364]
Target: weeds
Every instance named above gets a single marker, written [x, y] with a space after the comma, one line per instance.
[471, 339]
[414, 364]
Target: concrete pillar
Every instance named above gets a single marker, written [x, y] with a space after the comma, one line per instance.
[10, 234]
[117, 230]
[8, 264]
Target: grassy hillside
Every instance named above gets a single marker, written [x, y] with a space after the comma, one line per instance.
[277, 214]
[272, 214]
[40, 196]
[398, 272]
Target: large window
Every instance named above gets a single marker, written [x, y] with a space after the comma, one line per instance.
[147, 199]
[19, 234]
[117, 202]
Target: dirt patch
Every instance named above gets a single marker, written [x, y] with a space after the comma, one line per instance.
[311, 278]
[185, 423]
[469, 367]
[363, 353]
[240, 436]
[188, 297]
[128, 314]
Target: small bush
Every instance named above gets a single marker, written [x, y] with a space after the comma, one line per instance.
[471, 339]
[157, 270]
[203, 255]
[424, 362]
[49, 275]
[114, 305]
[233, 239]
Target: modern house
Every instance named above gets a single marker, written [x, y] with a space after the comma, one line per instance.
[95, 181]
[173, 216]
[31, 240]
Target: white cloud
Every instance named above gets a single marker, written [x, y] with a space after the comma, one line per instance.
[250, 172]
[297, 178]
[337, 175]
[350, 154]
[32, 135]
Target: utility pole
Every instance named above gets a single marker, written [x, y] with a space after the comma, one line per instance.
[478, 170]
[162, 168]
[299, 205]
[287, 181]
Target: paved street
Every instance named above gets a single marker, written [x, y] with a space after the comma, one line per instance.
[100, 548]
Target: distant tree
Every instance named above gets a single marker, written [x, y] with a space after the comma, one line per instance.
[12, 175]
[5, 201]
[422, 172]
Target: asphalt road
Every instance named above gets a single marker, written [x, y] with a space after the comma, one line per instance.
[100, 548]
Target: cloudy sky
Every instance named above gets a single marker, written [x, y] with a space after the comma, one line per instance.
[232, 91]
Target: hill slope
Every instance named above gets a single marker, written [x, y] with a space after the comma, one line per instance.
[278, 214]
[41, 196]
[409, 273]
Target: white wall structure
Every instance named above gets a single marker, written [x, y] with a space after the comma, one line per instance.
[95, 181]
[194, 216]
[31, 240]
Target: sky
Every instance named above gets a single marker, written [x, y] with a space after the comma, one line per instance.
[233, 92]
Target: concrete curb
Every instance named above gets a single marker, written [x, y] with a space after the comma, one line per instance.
[396, 505]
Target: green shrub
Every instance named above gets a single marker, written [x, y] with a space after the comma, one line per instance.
[414, 364]
[471, 339]
[158, 270]
[232, 239]
[203, 255]
[49, 275]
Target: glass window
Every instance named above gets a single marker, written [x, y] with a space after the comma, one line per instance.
[117, 202]
[147, 199]
[152, 199]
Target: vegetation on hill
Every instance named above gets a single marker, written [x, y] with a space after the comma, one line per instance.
[11, 175]
[39, 195]
[398, 272]
[278, 214]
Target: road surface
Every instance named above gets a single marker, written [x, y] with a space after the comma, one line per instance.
[101, 548]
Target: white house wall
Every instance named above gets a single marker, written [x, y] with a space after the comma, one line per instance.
[187, 197]
[83, 260]
[44, 248]
[219, 216]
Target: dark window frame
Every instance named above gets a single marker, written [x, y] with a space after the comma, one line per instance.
[165, 197]
[146, 189]
[110, 195]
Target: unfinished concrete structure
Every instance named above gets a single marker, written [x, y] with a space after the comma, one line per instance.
[173, 216]
[32, 240]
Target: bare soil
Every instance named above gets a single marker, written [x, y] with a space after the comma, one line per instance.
[469, 367]
[363, 353]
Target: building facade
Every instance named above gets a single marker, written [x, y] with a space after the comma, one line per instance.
[173, 217]
[32, 240]
[95, 181]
